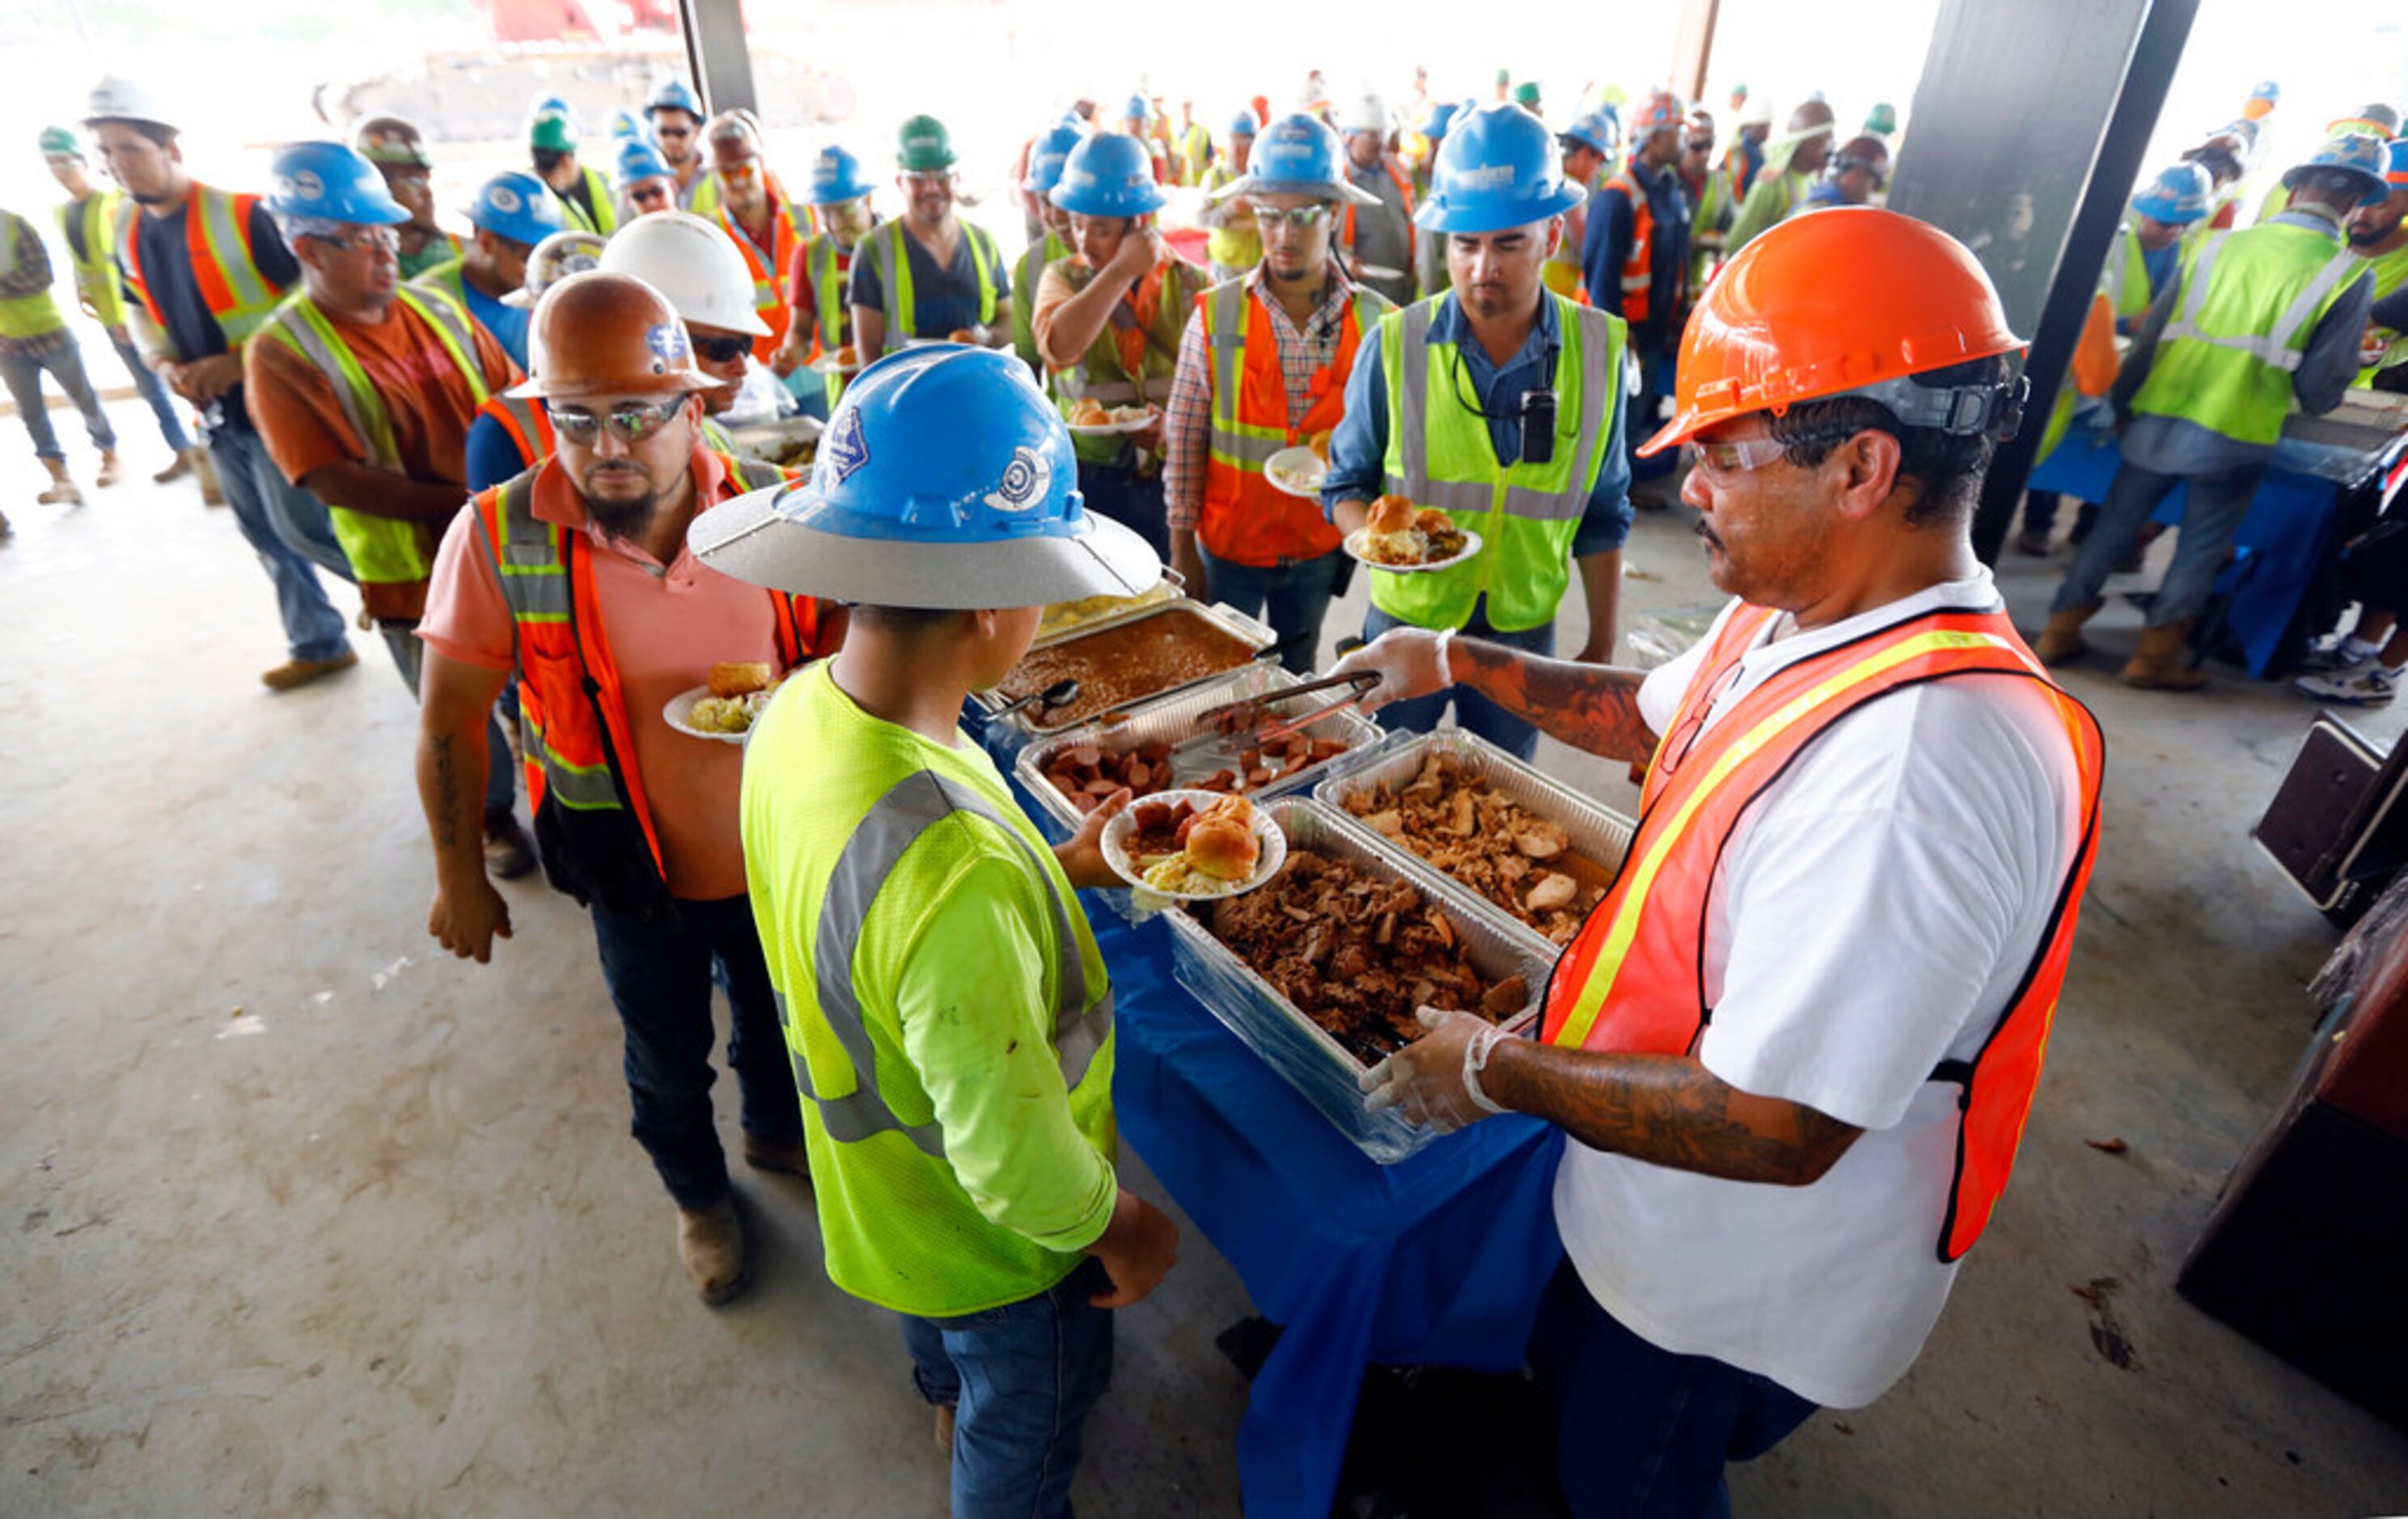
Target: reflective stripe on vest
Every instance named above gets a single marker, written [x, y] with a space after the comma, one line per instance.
[1639, 266]
[2127, 280]
[878, 845]
[902, 307]
[1100, 376]
[23, 316]
[605, 218]
[95, 273]
[450, 278]
[1440, 454]
[768, 270]
[1404, 188]
[381, 549]
[2287, 342]
[2251, 300]
[528, 423]
[1632, 981]
[217, 238]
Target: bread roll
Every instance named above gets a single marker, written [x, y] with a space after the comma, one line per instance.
[1223, 845]
[1319, 443]
[740, 678]
[962, 335]
[1432, 521]
[1391, 514]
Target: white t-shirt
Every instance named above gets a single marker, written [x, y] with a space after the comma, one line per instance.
[1874, 913]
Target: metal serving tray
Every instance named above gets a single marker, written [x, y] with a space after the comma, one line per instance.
[1172, 720]
[1246, 630]
[1603, 835]
[1323, 1071]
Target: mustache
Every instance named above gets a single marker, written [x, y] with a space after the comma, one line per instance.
[1705, 532]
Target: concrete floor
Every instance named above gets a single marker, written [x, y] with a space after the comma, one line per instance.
[298, 1216]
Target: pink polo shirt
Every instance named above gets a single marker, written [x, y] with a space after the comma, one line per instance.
[665, 628]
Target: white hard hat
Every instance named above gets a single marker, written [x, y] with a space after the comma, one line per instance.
[118, 99]
[1756, 112]
[1368, 115]
[693, 263]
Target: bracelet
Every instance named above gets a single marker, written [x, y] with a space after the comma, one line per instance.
[1446, 665]
[1475, 1060]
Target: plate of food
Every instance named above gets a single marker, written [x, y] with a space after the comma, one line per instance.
[1378, 271]
[723, 708]
[1301, 470]
[1193, 845]
[842, 361]
[1409, 540]
[1096, 419]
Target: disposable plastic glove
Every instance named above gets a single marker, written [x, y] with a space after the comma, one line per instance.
[1434, 1081]
[1409, 662]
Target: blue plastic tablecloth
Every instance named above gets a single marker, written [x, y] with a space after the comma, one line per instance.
[2289, 531]
[1438, 1259]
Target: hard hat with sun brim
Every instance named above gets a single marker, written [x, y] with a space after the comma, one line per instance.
[570, 250]
[1296, 155]
[329, 181]
[689, 260]
[1851, 301]
[1108, 175]
[945, 482]
[602, 333]
[1496, 170]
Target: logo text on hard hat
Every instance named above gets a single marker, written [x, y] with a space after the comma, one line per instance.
[845, 449]
[1025, 481]
[1487, 177]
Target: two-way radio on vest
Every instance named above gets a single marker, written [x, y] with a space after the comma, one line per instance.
[1534, 409]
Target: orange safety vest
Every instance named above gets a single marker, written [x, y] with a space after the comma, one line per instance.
[1245, 519]
[770, 279]
[592, 822]
[1404, 183]
[1633, 981]
[1638, 265]
[528, 424]
[217, 237]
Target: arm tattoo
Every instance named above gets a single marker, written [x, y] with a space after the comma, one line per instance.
[1588, 706]
[447, 791]
[1669, 1111]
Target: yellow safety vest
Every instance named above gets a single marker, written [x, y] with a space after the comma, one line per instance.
[95, 271]
[30, 315]
[605, 219]
[2250, 301]
[1025, 277]
[2390, 272]
[895, 275]
[1102, 376]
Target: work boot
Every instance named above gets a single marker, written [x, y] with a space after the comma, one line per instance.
[111, 471]
[300, 672]
[769, 1156]
[945, 1429]
[710, 1241]
[206, 468]
[63, 491]
[2162, 663]
[2060, 642]
[178, 470]
[507, 853]
[2033, 541]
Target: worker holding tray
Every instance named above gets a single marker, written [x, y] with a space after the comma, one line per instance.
[948, 1011]
[1796, 1044]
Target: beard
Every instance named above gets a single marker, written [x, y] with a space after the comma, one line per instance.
[622, 519]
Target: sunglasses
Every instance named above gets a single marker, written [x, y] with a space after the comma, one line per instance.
[631, 421]
[366, 237]
[741, 173]
[672, 132]
[1296, 217]
[721, 348]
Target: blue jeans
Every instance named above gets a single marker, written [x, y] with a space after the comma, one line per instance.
[660, 976]
[1297, 595]
[1021, 1378]
[1473, 712]
[153, 390]
[2210, 518]
[1131, 499]
[1641, 1433]
[23, 375]
[312, 627]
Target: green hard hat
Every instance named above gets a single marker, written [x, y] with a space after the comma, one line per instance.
[553, 132]
[924, 145]
[1525, 94]
[1884, 120]
[58, 139]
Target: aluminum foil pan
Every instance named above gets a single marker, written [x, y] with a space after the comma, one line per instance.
[1068, 619]
[1599, 835]
[1325, 1072]
[1246, 630]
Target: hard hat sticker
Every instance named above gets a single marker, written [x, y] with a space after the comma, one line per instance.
[1025, 483]
[845, 449]
[502, 198]
[306, 185]
[667, 341]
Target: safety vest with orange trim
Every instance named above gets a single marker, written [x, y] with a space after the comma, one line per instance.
[1404, 183]
[1245, 519]
[768, 268]
[1633, 980]
[592, 818]
[527, 423]
[1638, 265]
[217, 235]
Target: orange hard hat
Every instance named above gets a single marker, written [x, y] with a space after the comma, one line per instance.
[1844, 301]
[600, 333]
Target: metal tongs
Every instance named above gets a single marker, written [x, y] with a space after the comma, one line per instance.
[1233, 727]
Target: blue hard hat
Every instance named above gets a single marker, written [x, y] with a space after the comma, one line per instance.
[330, 181]
[549, 106]
[518, 205]
[1108, 175]
[2267, 90]
[1047, 155]
[638, 161]
[673, 95]
[945, 480]
[2394, 165]
[2351, 153]
[1440, 117]
[2181, 194]
[624, 126]
[1498, 168]
[1243, 125]
[1299, 155]
[1137, 108]
[836, 177]
[1598, 129]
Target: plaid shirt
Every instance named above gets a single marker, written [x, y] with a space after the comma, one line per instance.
[1187, 424]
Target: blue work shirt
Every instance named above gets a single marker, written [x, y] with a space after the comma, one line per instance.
[1358, 449]
[1610, 225]
[493, 453]
[508, 323]
[167, 270]
[943, 300]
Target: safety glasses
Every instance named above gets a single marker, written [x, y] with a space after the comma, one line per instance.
[720, 348]
[744, 172]
[1296, 217]
[1726, 462]
[366, 237]
[929, 178]
[631, 421]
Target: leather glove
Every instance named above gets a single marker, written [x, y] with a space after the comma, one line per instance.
[1409, 662]
[1434, 1081]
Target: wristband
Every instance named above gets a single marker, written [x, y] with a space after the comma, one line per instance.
[1475, 1060]
[1445, 666]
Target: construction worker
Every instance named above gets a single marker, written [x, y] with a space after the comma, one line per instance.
[2224, 156]
[1636, 260]
[1262, 367]
[2377, 121]
[2141, 262]
[1855, 174]
[644, 181]
[2252, 322]
[1377, 240]
[1588, 147]
[675, 119]
[1193, 146]
[511, 213]
[576, 575]
[1712, 196]
[1869, 822]
[35, 336]
[204, 269]
[1499, 403]
[1139, 120]
[1235, 245]
[1791, 167]
[928, 274]
[1107, 319]
[949, 1016]
[1525, 94]
[1745, 158]
[1429, 253]
[822, 320]
[2378, 233]
[1882, 122]
[511, 433]
[585, 195]
[759, 217]
[1046, 156]
[710, 287]
[398, 151]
